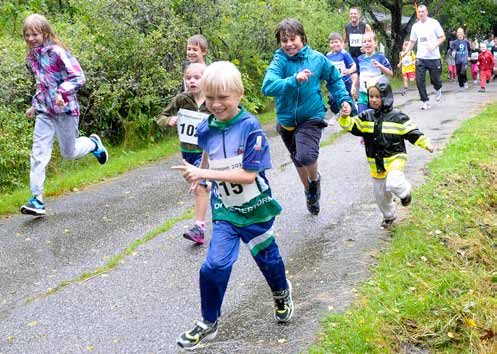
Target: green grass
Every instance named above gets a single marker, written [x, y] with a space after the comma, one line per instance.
[65, 176]
[436, 285]
[267, 117]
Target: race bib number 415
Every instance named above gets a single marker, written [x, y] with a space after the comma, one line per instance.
[233, 194]
[187, 125]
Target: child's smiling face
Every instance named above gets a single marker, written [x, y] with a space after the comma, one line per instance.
[368, 43]
[223, 104]
[195, 54]
[34, 38]
[291, 43]
[336, 45]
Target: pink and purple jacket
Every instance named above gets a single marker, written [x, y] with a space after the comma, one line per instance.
[55, 70]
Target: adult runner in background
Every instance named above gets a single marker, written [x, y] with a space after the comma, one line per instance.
[353, 33]
[429, 35]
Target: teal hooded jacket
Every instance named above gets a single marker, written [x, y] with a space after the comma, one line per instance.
[297, 102]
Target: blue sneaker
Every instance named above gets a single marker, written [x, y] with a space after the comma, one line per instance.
[33, 207]
[100, 151]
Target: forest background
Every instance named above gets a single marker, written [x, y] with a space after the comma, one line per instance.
[131, 52]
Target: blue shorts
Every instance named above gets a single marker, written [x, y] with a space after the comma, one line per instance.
[303, 141]
[194, 158]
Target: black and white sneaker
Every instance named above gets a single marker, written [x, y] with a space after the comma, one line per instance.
[203, 331]
[100, 151]
[387, 224]
[406, 200]
[283, 304]
[34, 207]
[313, 194]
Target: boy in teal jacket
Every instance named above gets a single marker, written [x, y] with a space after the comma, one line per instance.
[294, 79]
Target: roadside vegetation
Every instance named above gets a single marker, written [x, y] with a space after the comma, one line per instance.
[435, 287]
[73, 175]
[131, 52]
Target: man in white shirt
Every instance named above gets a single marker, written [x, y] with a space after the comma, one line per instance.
[429, 35]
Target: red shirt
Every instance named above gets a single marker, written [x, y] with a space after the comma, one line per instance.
[486, 60]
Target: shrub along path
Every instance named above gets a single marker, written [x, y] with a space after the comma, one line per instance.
[107, 271]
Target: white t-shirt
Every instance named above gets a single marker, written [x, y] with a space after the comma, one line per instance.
[427, 34]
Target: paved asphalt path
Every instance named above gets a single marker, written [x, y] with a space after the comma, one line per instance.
[144, 303]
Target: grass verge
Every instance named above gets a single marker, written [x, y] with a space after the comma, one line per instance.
[435, 288]
[65, 176]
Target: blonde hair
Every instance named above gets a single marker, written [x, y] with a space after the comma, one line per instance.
[222, 76]
[40, 24]
[200, 41]
[199, 66]
[369, 34]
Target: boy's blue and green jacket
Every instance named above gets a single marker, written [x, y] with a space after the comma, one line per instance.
[297, 102]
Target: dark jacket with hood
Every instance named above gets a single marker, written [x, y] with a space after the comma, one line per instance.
[385, 131]
[184, 100]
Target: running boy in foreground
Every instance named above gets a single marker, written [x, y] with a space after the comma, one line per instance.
[237, 152]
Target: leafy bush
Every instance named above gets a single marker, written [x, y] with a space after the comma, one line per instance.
[15, 148]
[131, 52]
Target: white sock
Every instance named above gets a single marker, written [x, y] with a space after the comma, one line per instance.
[201, 224]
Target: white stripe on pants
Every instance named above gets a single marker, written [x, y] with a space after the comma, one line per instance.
[385, 188]
[71, 147]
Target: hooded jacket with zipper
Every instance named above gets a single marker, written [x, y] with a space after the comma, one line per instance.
[296, 101]
[385, 131]
[55, 70]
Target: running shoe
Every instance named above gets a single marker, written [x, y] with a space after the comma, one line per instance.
[438, 95]
[100, 151]
[406, 200]
[195, 234]
[313, 194]
[387, 224]
[34, 207]
[425, 105]
[283, 304]
[203, 331]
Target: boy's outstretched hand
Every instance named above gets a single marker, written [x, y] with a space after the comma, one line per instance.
[304, 75]
[190, 173]
[430, 148]
[346, 109]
